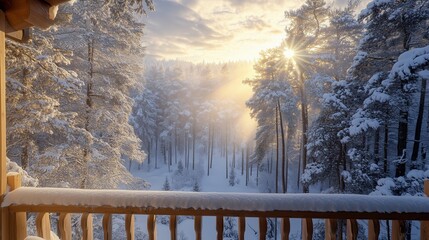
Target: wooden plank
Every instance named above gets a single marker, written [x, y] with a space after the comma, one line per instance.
[373, 229]
[198, 227]
[43, 225]
[4, 226]
[17, 221]
[23, 14]
[56, 2]
[307, 229]
[130, 226]
[241, 227]
[424, 225]
[352, 229]
[107, 226]
[285, 228]
[151, 227]
[223, 212]
[219, 227]
[14, 181]
[87, 227]
[64, 226]
[262, 228]
[173, 227]
[398, 230]
[331, 229]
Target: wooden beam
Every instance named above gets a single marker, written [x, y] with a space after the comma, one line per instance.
[23, 14]
[3, 185]
[56, 2]
[43, 225]
[307, 228]
[331, 229]
[424, 225]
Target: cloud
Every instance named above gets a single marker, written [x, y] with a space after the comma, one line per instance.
[175, 27]
[254, 22]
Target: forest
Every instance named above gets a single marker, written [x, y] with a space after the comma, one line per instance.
[340, 105]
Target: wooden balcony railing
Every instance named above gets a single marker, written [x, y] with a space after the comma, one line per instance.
[331, 207]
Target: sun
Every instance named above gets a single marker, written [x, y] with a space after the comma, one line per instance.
[288, 53]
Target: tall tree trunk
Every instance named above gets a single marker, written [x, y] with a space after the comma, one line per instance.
[402, 143]
[175, 144]
[277, 149]
[24, 156]
[226, 151]
[194, 133]
[209, 150]
[247, 165]
[377, 146]
[386, 147]
[242, 161]
[233, 154]
[212, 148]
[156, 152]
[284, 187]
[304, 118]
[419, 123]
[88, 109]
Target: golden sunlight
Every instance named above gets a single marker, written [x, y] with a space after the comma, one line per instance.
[288, 53]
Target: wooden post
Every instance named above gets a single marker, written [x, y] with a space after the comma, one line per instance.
[331, 229]
[64, 226]
[151, 227]
[219, 227]
[241, 227]
[373, 229]
[107, 226]
[285, 228]
[129, 226]
[4, 214]
[17, 221]
[352, 229]
[173, 227]
[307, 229]
[262, 228]
[198, 227]
[86, 225]
[43, 225]
[398, 230]
[424, 225]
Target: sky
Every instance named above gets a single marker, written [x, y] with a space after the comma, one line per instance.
[217, 30]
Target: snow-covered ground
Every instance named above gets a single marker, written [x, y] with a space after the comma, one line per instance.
[216, 182]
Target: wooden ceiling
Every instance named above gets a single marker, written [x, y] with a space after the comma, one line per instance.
[22, 14]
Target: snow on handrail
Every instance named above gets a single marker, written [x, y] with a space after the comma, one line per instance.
[206, 203]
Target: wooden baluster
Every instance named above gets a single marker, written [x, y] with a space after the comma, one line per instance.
[18, 220]
[86, 225]
[241, 227]
[262, 228]
[151, 227]
[331, 229]
[219, 227]
[398, 230]
[43, 225]
[173, 227]
[64, 226]
[424, 225]
[352, 229]
[197, 226]
[373, 229]
[129, 226]
[4, 230]
[285, 228]
[307, 229]
[107, 226]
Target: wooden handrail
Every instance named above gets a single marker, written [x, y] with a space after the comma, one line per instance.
[263, 206]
